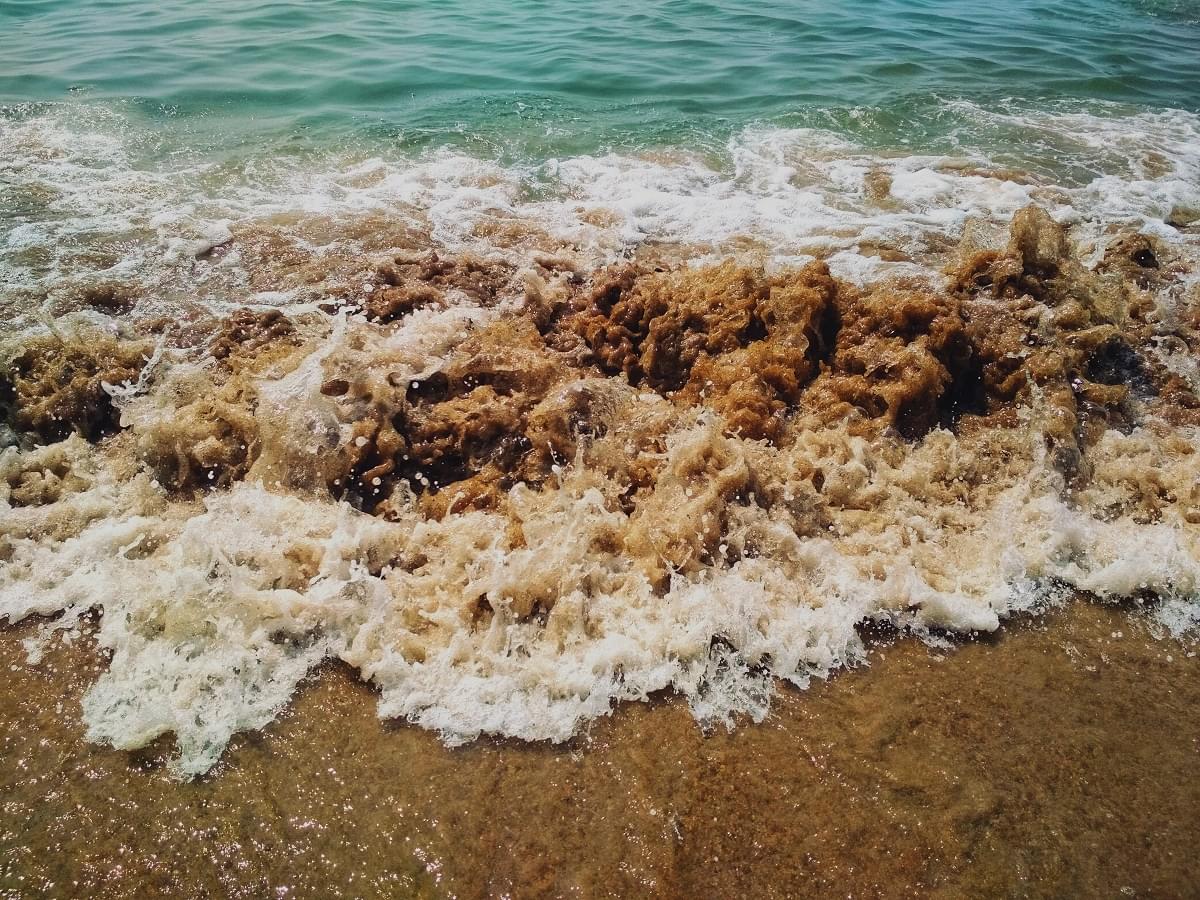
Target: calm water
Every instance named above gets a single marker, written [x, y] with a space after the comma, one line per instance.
[562, 77]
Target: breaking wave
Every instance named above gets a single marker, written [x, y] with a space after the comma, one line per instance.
[519, 442]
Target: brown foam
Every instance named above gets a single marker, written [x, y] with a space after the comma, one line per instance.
[418, 280]
[772, 355]
[54, 385]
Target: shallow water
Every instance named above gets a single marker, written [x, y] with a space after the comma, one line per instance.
[131, 136]
[1055, 761]
[581, 74]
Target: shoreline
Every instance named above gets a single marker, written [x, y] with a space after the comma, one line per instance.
[513, 497]
[709, 451]
[1052, 759]
[517, 489]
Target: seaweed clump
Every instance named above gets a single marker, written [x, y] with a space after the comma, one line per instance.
[468, 425]
[247, 331]
[1041, 323]
[729, 337]
[903, 360]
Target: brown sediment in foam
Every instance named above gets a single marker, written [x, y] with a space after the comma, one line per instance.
[248, 331]
[311, 255]
[1055, 760]
[778, 355]
[419, 280]
[619, 473]
[54, 385]
[772, 355]
[729, 337]
[210, 438]
[1085, 337]
[775, 356]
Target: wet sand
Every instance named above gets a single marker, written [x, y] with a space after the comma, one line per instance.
[1059, 758]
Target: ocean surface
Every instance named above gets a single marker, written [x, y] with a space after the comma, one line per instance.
[540, 79]
[211, 102]
[130, 122]
[466, 343]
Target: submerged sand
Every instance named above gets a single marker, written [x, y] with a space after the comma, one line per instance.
[1058, 758]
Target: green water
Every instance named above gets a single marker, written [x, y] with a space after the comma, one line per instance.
[134, 134]
[559, 77]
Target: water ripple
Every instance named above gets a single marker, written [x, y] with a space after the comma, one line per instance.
[412, 63]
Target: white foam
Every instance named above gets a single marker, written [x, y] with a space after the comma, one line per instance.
[215, 614]
[215, 611]
[789, 192]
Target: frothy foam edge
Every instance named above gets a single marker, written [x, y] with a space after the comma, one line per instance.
[215, 610]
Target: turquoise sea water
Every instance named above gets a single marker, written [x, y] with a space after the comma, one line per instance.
[568, 76]
[132, 134]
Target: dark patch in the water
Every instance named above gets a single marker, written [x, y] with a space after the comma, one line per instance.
[1115, 362]
[55, 386]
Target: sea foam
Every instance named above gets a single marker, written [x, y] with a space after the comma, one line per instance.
[498, 474]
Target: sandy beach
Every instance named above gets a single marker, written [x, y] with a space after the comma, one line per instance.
[1058, 759]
